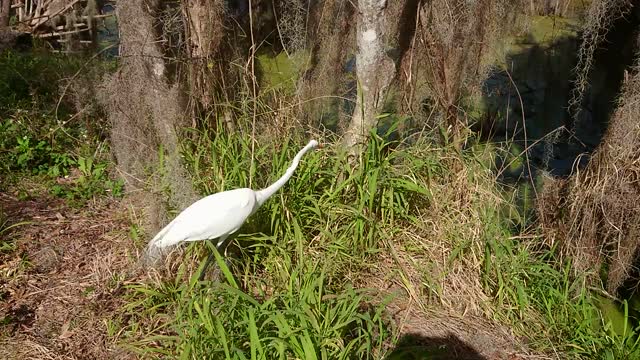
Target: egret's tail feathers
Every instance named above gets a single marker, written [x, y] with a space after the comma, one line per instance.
[160, 235]
[153, 255]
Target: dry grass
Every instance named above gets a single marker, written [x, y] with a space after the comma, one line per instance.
[595, 214]
[435, 267]
[454, 223]
[146, 110]
[445, 62]
[599, 19]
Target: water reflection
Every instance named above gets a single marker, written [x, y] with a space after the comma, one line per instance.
[529, 107]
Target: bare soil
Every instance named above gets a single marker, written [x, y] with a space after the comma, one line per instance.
[445, 336]
[64, 280]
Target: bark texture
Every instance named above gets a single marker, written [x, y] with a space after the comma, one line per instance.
[146, 111]
[5, 8]
[205, 32]
[374, 68]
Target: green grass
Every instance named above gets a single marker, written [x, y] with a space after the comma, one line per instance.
[221, 321]
[542, 299]
[301, 280]
[6, 227]
[290, 290]
[290, 294]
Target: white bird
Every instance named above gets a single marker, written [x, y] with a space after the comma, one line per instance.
[219, 215]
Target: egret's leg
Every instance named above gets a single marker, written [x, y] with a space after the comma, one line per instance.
[222, 244]
[210, 258]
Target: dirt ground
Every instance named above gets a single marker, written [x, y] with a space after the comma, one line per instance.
[450, 337]
[63, 282]
[66, 279]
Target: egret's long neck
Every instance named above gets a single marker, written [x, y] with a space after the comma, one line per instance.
[264, 194]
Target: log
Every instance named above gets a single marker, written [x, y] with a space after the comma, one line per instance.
[60, 33]
[100, 16]
[46, 17]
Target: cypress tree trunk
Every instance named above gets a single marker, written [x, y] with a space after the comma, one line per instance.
[375, 71]
[146, 106]
[205, 31]
[5, 8]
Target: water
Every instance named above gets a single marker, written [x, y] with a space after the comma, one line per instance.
[107, 33]
[541, 65]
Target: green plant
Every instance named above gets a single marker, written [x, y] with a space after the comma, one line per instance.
[305, 321]
[541, 298]
[298, 256]
[6, 245]
[39, 133]
[93, 180]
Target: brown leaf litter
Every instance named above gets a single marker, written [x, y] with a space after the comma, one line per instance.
[61, 284]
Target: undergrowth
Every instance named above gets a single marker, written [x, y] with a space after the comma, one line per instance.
[6, 228]
[538, 295]
[306, 276]
[41, 136]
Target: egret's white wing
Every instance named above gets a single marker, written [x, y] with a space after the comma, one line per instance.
[209, 218]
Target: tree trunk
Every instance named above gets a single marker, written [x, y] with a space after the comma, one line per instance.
[374, 69]
[204, 33]
[5, 8]
[146, 108]
[329, 33]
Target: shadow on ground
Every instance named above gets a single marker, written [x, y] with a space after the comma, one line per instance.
[418, 347]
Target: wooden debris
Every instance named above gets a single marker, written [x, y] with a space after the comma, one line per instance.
[48, 19]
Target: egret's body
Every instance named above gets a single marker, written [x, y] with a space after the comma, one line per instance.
[219, 215]
[212, 217]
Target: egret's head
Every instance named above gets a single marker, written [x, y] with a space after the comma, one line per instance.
[314, 145]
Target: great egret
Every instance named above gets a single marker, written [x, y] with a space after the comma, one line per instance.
[219, 215]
